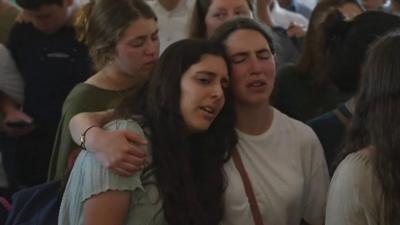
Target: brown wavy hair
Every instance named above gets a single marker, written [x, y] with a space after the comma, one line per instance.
[377, 122]
[100, 24]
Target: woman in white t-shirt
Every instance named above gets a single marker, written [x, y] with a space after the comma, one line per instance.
[282, 157]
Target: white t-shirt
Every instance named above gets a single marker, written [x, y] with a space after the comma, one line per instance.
[283, 17]
[173, 25]
[288, 172]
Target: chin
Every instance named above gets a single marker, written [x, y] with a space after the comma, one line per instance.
[199, 128]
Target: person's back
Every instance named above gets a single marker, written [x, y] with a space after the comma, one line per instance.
[51, 62]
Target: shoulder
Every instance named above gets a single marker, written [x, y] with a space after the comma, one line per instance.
[292, 125]
[354, 192]
[22, 31]
[299, 136]
[355, 167]
[354, 176]
[131, 124]
[83, 91]
[326, 123]
[88, 94]
[78, 97]
[5, 57]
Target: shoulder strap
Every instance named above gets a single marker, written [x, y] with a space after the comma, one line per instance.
[255, 211]
[345, 121]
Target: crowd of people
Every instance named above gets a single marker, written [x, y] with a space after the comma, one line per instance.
[187, 112]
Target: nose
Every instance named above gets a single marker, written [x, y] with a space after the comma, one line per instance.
[218, 92]
[255, 65]
[151, 48]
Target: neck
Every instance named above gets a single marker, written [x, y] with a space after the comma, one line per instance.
[169, 4]
[253, 120]
[111, 79]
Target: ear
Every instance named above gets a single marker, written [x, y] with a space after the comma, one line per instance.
[68, 3]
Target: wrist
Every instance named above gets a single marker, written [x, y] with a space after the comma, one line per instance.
[86, 138]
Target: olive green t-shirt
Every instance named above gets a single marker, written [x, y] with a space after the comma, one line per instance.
[83, 98]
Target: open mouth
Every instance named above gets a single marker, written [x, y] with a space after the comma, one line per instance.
[257, 83]
[208, 109]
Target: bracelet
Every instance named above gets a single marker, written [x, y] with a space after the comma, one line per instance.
[83, 137]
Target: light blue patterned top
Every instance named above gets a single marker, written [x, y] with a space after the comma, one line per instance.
[89, 178]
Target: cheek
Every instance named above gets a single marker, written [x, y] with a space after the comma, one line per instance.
[270, 69]
[130, 57]
[238, 79]
[186, 106]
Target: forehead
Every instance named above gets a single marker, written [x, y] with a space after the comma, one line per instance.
[245, 40]
[228, 4]
[211, 63]
[140, 27]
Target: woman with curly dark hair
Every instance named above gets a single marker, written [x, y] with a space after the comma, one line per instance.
[365, 186]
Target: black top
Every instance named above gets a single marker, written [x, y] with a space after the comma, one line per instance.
[331, 132]
[51, 65]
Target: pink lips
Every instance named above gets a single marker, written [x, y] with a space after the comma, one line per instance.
[256, 84]
[210, 112]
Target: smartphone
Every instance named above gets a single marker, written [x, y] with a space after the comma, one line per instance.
[18, 124]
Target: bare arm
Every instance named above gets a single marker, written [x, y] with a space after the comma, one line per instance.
[107, 208]
[82, 121]
[116, 150]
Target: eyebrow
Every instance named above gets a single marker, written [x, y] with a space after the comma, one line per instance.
[209, 73]
[240, 54]
[240, 7]
[245, 53]
[264, 50]
[145, 36]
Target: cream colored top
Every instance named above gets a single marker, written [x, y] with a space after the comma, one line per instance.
[354, 196]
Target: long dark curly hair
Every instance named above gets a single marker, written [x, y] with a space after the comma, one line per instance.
[377, 122]
[188, 169]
